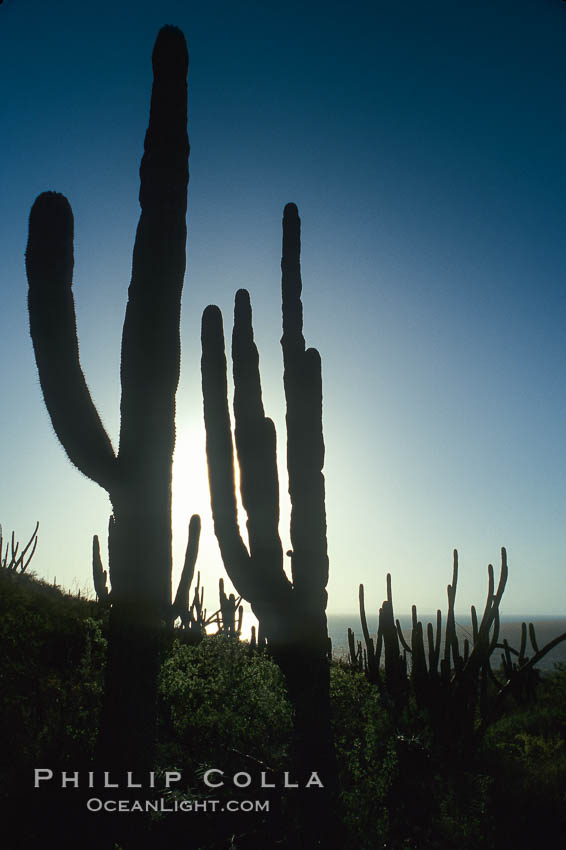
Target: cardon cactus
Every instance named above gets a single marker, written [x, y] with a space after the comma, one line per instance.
[292, 614]
[138, 476]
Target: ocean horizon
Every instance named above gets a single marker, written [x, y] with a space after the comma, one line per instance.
[547, 627]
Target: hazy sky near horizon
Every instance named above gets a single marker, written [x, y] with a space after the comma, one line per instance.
[424, 146]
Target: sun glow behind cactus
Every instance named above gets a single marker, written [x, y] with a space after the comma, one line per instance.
[424, 148]
[191, 495]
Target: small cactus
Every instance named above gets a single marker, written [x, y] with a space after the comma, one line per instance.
[99, 574]
[14, 558]
[452, 694]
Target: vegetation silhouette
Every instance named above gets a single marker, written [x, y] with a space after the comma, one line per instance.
[291, 614]
[460, 693]
[192, 615]
[138, 477]
[12, 557]
[393, 772]
[224, 706]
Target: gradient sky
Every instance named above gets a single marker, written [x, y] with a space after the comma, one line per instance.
[424, 146]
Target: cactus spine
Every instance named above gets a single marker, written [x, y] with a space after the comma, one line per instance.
[138, 477]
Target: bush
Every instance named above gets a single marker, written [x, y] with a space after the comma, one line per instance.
[526, 751]
[397, 791]
[51, 672]
[366, 755]
[223, 706]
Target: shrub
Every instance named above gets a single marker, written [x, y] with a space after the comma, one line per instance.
[223, 706]
[51, 675]
[365, 750]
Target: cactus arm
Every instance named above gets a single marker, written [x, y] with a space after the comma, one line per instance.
[182, 597]
[220, 453]
[99, 574]
[305, 445]
[451, 638]
[49, 266]
[14, 547]
[22, 562]
[490, 589]
[533, 637]
[17, 561]
[363, 619]
[484, 645]
[438, 638]
[352, 649]
[493, 599]
[474, 624]
[257, 454]
[401, 637]
[151, 341]
[504, 689]
[540, 653]
[496, 625]
[503, 575]
[372, 665]
[255, 578]
[418, 667]
[390, 639]
[430, 642]
[378, 647]
[150, 361]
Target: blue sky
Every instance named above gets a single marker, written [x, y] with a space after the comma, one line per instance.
[424, 146]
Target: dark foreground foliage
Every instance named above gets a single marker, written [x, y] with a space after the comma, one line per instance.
[224, 707]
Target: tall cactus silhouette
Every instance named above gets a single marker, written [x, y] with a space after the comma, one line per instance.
[292, 614]
[138, 477]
